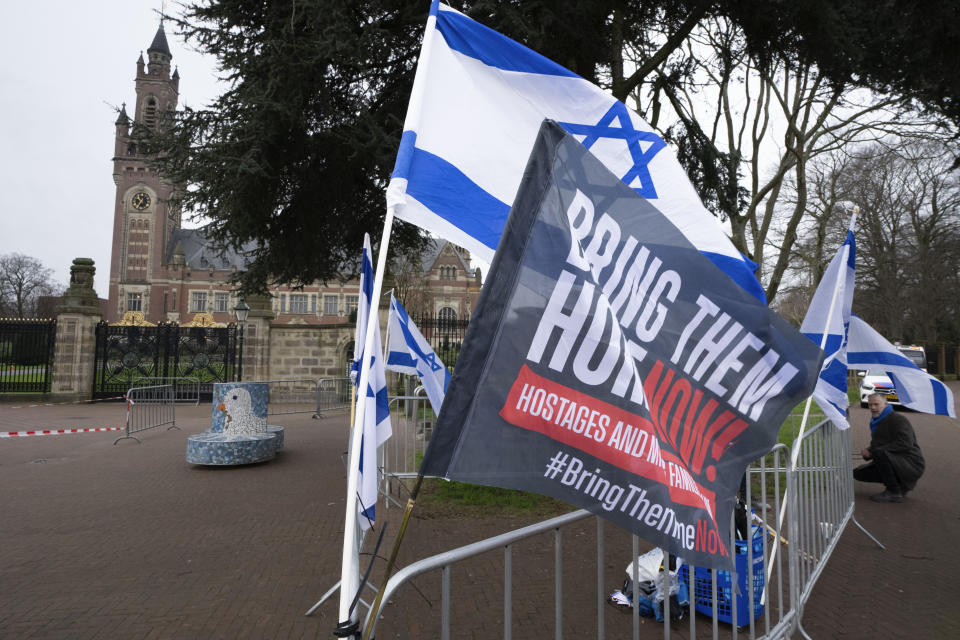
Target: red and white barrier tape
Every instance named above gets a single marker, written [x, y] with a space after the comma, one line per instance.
[54, 432]
[60, 404]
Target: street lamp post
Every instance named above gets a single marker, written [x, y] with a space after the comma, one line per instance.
[242, 310]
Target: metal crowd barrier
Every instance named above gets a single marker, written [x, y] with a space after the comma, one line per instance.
[823, 484]
[290, 396]
[307, 395]
[794, 552]
[412, 420]
[185, 390]
[147, 408]
[333, 394]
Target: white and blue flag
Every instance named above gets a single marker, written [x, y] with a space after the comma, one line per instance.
[867, 349]
[831, 390]
[409, 352]
[376, 423]
[475, 110]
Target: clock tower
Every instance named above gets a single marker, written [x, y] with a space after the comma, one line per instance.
[143, 222]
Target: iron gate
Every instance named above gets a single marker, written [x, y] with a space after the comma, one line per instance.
[126, 354]
[445, 335]
[26, 354]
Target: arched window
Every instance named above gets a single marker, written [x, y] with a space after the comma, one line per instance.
[447, 314]
[448, 273]
[150, 112]
[346, 358]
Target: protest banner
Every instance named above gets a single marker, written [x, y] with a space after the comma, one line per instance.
[611, 365]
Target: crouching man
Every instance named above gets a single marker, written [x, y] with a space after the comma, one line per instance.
[894, 456]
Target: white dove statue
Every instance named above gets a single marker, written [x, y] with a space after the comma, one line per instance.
[239, 419]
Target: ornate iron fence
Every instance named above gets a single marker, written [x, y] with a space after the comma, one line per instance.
[126, 354]
[26, 354]
[444, 334]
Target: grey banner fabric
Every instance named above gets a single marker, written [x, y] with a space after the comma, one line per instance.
[611, 365]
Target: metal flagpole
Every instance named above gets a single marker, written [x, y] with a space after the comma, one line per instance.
[386, 336]
[383, 481]
[795, 453]
[333, 589]
[350, 563]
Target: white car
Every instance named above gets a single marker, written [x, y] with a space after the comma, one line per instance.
[877, 382]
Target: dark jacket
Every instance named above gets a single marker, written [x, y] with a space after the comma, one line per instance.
[894, 436]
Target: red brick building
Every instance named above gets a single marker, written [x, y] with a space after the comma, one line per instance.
[169, 273]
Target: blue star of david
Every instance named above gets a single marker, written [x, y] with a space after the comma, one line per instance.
[431, 359]
[629, 134]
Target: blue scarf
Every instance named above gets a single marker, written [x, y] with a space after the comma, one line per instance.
[883, 414]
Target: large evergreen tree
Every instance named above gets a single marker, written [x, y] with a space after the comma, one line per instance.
[295, 154]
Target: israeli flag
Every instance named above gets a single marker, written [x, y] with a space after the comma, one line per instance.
[376, 424]
[867, 349]
[477, 103]
[409, 352]
[831, 390]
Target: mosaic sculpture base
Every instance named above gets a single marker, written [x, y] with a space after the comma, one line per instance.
[277, 434]
[239, 433]
[217, 449]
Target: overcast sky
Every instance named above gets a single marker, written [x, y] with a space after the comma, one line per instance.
[65, 66]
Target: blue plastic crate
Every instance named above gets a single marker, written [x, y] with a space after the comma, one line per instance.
[702, 595]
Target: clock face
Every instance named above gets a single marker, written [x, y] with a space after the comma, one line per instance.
[140, 200]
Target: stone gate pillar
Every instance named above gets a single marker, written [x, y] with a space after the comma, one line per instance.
[77, 318]
[256, 343]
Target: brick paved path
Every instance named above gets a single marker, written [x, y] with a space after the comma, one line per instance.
[130, 541]
[911, 590]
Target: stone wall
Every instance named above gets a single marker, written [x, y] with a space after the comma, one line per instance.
[272, 350]
[308, 351]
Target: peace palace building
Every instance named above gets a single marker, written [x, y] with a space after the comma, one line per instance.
[170, 274]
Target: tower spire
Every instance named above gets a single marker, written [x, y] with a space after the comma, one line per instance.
[159, 44]
[123, 118]
[158, 54]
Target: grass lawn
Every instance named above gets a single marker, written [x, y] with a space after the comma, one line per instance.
[16, 373]
[441, 498]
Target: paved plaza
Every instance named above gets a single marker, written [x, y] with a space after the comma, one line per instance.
[131, 541]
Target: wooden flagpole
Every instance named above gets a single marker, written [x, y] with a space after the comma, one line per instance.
[392, 560]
